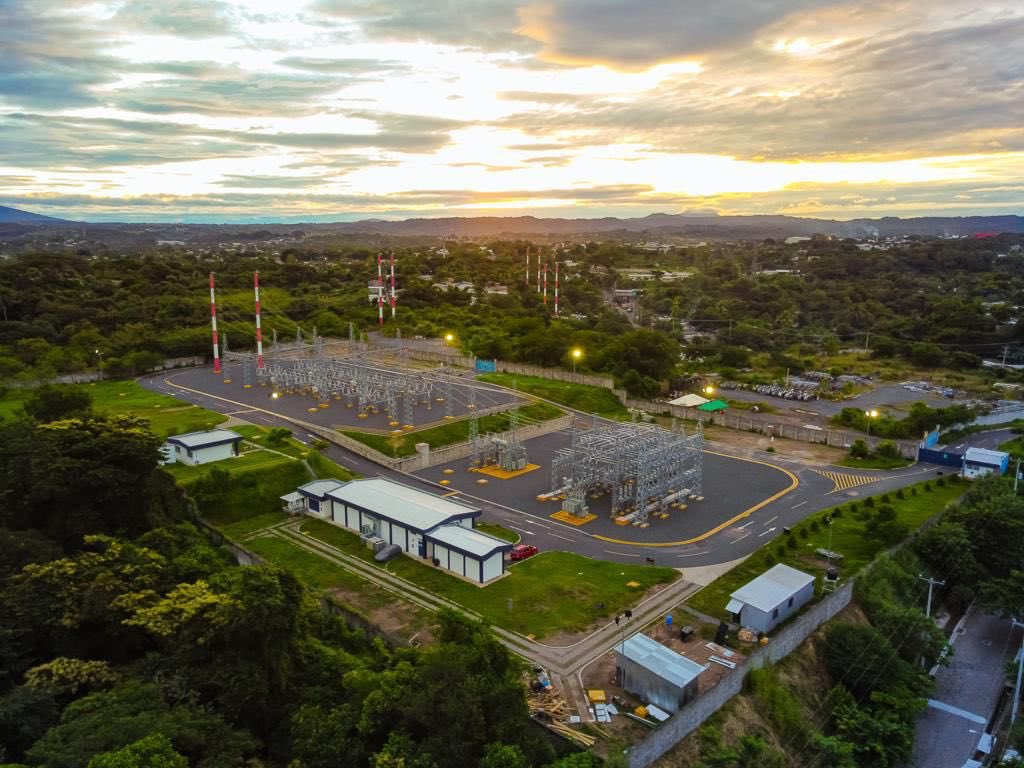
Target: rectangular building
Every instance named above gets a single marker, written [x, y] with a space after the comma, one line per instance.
[423, 525]
[656, 674]
[202, 447]
[771, 598]
[979, 462]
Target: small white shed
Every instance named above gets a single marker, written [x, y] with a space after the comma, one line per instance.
[771, 598]
[202, 447]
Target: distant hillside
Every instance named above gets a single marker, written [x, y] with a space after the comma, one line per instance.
[16, 216]
[686, 224]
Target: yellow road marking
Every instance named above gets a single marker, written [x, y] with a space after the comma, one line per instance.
[842, 481]
[708, 534]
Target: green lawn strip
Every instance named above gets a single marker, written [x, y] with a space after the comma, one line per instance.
[243, 528]
[166, 415]
[311, 569]
[1015, 446]
[744, 405]
[499, 532]
[258, 435]
[551, 592]
[875, 462]
[399, 446]
[325, 468]
[248, 462]
[847, 539]
[582, 397]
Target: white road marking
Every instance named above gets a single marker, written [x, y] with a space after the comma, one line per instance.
[942, 706]
[521, 529]
[765, 533]
[766, 522]
[744, 526]
[799, 505]
[741, 538]
[624, 554]
[564, 538]
[694, 554]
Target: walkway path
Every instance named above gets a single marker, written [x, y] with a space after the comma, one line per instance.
[564, 662]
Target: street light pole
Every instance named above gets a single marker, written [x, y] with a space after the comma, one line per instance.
[931, 583]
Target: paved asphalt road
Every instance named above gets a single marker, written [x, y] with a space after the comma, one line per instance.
[966, 692]
[742, 536]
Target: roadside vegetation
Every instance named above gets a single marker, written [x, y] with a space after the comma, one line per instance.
[581, 397]
[861, 530]
[886, 455]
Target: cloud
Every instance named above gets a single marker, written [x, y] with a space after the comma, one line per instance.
[484, 24]
[354, 67]
[621, 33]
[242, 181]
[180, 18]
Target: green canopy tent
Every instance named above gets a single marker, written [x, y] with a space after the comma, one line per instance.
[714, 405]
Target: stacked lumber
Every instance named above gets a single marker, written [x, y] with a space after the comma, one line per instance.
[583, 738]
[550, 701]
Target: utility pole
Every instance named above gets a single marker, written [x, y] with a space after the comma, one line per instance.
[931, 583]
[1016, 476]
[1006, 349]
[1020, 667]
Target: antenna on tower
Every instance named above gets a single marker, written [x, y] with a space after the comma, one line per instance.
[259, 330]
[545, 283]
[527, 266]
[213, 324]
[540, 251]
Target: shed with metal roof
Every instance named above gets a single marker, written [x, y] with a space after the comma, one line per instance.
[655, 673]
[979, 462]
[771, 598]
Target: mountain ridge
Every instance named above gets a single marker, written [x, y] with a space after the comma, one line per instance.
[698, 224]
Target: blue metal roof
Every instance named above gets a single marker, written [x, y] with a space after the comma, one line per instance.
[195, 440]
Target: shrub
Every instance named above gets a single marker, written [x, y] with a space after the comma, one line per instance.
[791, 543]
[859, 449]
[278, 435]
[900, 494]
[804, 533]
[838, 511]
[769, 559]
[913, 491]
[869, 502]
[887, 450]
[885, 498]
[928, 487]
[815, 526]
[941, 482]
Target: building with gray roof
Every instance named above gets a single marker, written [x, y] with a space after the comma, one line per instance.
[201, 447]
[656, 674]
[424, 525]
[771, 598]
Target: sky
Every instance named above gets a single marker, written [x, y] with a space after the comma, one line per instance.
[335, 110]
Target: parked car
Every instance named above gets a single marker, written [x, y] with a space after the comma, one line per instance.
[522, 551]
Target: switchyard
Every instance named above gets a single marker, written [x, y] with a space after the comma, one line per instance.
[644, 468]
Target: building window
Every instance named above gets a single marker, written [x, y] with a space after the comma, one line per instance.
[791, 602]
[314, 505]
[775, 613]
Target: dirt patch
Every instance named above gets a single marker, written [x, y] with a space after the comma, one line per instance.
[398, 619]
[814, 453]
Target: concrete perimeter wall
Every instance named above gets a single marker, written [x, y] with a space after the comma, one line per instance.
[694, 714]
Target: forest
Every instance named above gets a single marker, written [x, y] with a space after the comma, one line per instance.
[932, 303]
[131, 640]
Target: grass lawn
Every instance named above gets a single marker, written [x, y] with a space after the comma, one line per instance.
[499, 532]
[242, 528]
[166, 415]
[875, 462]
[744, 405]
[582, 397]
[399, 446]
[847, 539]
[551, 592]
[1014, 447]
[312, 570]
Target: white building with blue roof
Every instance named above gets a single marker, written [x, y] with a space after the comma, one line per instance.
[201, 447]
[979, 462]
[422, 524]
[656, 674]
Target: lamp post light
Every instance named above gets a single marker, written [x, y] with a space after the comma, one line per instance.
[449, 338]
[577, 353]
[872, 414]
[709, 390]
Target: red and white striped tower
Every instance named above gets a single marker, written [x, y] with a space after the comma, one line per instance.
[380, 290]
[259, 329]
[527, 266]
[213, 324]
[393, 296]
[545, 283]
[556, 289]
[540, 251]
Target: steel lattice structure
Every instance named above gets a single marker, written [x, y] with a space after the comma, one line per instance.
[644, 467]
